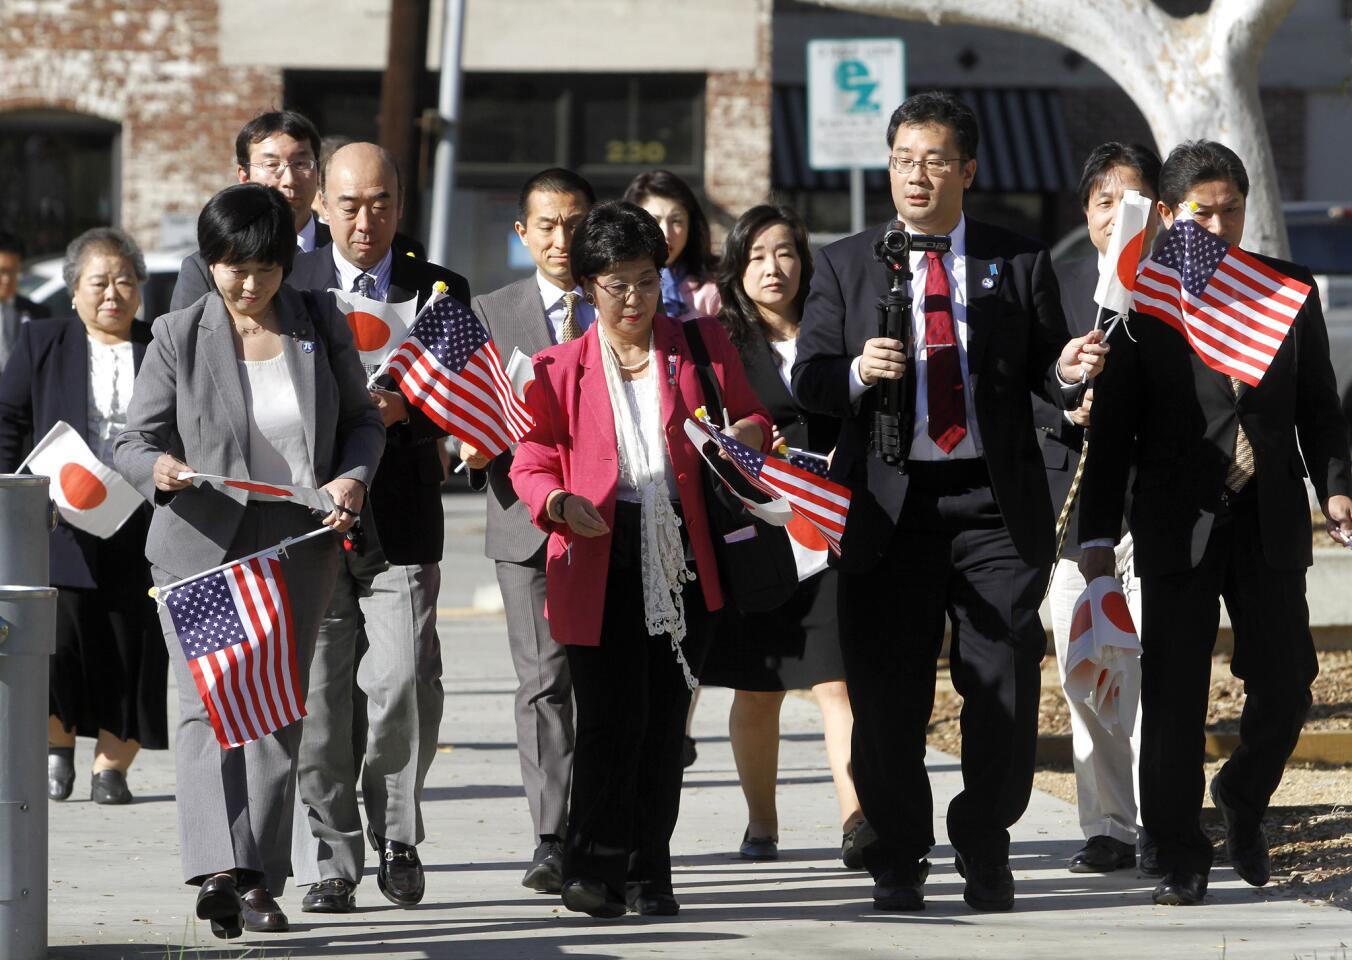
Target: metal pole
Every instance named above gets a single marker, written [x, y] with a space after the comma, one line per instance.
[448, 110]
[25, 525]
[856, 200]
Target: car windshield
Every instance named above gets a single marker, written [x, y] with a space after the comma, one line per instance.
[1322, 247]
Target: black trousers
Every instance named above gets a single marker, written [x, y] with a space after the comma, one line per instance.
[631, 702]
[1274, 656]
[950, 558]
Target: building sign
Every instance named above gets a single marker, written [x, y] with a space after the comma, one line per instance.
[852, 88]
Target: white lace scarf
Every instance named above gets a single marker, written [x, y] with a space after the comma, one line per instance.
[663, 558]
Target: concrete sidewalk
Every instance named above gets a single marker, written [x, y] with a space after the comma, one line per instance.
[115, 889]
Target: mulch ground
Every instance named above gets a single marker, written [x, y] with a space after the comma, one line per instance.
[1309, 825]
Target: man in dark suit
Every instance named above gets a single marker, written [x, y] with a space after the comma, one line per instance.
[278, 149]
[545, 308]
[1105, 759]
[386, 593]
[15, 309]
[963, 526]
[1218, 509]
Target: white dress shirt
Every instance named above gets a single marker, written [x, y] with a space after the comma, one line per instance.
[305, 236]
[379, 274]
[112, 371]
[922, 447]
[552, 298]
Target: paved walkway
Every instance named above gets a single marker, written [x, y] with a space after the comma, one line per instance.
[115, 890]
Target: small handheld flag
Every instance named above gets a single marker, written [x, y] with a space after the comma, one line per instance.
[1119, 266]
[315, 499]
[377, 326]
[89, 495]
[1101, 659]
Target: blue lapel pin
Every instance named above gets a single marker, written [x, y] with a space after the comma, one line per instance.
[989, 282]
[308, 346]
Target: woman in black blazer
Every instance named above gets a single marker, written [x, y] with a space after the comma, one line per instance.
[766, 269]
[108, 671]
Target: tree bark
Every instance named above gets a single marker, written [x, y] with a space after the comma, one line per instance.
[1193, 77]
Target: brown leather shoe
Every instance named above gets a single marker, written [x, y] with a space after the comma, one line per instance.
[261, 912]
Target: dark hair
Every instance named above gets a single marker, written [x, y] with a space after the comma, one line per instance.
[295, 125]
[739, 315]
[101, 240]
[613, 232]
[385, 157]
[244, 222]
[935, 106]
[11, 243]
[1114, 154]
[697, 258]
[1200, 161]
[554, 180]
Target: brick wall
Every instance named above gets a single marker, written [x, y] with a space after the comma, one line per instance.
[154, 68]
[737, 133]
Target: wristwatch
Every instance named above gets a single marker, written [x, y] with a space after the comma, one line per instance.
[558, 505]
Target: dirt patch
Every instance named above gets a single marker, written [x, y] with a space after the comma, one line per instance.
[1309, 825]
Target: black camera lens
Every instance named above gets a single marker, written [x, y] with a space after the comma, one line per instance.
[895, 242]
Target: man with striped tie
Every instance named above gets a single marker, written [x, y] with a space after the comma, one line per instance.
[545, 308]
[1218, 510]
[382, 620]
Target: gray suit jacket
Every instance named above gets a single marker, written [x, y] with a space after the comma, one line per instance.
[515, 317]
[188, 402]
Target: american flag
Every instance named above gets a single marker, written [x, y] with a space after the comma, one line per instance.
[800, 481]
[450, 370]
[1234, 309]
[236, 631]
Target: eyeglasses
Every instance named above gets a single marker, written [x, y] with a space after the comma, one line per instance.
[933, 165]
[276, 167]
[646, 288]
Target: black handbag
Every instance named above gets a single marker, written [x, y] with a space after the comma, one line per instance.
[755, 559]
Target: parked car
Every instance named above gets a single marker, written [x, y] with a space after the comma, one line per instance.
[41, 282]
[1321, 240]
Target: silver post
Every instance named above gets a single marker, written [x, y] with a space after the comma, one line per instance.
[25, 525]
[448, 122]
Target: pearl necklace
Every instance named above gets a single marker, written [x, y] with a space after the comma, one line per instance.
[628, 367]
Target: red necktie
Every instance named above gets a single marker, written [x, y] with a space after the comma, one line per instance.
[947, 410]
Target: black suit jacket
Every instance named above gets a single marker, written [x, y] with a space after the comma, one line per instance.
[800, 427]
[27, 308]
[406, 492]
[194, 279]
[47, 380]
[1156, 396]
[1016, 332]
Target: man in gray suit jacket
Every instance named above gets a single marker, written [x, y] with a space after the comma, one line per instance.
[531, 314]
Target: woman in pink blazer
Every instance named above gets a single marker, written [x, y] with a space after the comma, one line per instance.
[688, 286]
[630, 572]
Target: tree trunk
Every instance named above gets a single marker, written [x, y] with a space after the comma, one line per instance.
[1192, 77]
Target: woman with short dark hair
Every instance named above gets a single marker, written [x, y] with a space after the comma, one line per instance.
[108, 670]
[688, 287]
[608, 473]
[254, 381]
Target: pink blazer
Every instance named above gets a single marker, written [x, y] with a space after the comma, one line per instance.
[573, 447]
[703, 295]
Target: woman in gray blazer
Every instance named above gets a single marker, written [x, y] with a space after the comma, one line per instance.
[253, 381]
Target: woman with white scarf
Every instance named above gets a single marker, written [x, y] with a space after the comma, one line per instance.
[631, 577]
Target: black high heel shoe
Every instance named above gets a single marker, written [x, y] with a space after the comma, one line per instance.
[218, 901]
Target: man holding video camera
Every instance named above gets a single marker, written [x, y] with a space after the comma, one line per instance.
[954, 520]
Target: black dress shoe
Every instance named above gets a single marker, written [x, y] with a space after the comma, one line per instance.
[400, 877]
[60, 774]
[1180, 888]
[902, 890]
[1148, 861]
[1244, 842]
[334, 895]
[261, 913]
[853, 842]
[1103, 854]
[546, 868]
[218, 901]
[592, 898]
[655, 905]
[990, 885]
[758, 848]
[109, 787]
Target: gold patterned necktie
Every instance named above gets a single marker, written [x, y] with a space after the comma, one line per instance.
[1241, 468]
[570, 329]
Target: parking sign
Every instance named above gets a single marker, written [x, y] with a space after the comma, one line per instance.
[852, 88]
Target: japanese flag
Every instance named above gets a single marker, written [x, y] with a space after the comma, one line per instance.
[377, 326]
[521, 372]
[1101, 667]
[1119, 266]
[89, 495]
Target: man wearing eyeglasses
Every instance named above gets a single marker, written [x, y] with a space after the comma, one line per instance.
[279, 149]
[961, 530]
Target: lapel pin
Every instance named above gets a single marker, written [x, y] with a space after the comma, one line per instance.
[308, 346]
[988, 283]
[671, 369]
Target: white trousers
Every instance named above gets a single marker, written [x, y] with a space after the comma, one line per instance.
[1106, 782]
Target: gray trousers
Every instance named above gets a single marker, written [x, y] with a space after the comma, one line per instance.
[234, 806]
[544, 696]
[400, 674]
